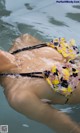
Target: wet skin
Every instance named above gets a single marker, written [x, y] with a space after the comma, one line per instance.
[25, 94]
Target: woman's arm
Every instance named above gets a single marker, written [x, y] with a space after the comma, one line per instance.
[7, 61]
[31, 106]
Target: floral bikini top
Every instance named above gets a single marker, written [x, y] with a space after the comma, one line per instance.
[64, 78]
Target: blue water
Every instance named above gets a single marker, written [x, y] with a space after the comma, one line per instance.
[44, 19]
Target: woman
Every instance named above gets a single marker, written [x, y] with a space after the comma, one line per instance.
[35, 75]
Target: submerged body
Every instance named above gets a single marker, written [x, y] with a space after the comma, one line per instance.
[26, 94]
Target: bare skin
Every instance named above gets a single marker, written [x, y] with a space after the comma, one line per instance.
[26, 94]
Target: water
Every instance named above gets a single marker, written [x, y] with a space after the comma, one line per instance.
[44, 19]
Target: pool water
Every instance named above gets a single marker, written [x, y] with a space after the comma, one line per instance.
[44, 19]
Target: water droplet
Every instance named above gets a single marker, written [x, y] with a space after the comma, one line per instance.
[25, 125]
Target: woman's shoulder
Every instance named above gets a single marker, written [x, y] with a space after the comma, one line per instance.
[23, 41]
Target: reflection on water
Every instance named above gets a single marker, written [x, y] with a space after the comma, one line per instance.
[77, 6]
[7, 33]
[2, 5]
[74, 16]
[28, 6]
[43, 19]
[49, 18]
[56, 22]
[31, 30]
[3, 11]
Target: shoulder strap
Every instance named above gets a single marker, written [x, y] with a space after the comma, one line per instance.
[29, 48]
[32, 74]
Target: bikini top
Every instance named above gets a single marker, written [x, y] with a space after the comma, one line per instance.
[62, 79]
